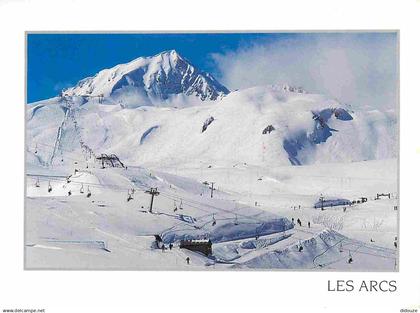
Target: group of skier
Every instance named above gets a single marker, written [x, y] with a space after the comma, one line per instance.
[299, 222]
[170, 248]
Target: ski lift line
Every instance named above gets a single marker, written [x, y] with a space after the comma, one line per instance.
[98, 185]
[355, 251]
[51, 146]
[332, 262]
[66, 157]
[170, 196]
[62, 156]
[222, 210]
[210, 206]
[329, 247]
[44, 175]
[196, 207]
[167, 195]
[103, 186]
[61, 149]
[108, 187]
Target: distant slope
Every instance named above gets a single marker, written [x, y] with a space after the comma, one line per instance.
[305, 129]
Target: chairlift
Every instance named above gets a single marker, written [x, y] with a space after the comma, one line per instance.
[180, 205]
[175, 207]
[36, 149]
[300, 247]
[236, 220]
[82, 189]
[88, 192]
[49, 187]
[214, 221]
[37, 182]
[341, 247]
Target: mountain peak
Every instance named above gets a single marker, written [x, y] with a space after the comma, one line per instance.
[152, 79]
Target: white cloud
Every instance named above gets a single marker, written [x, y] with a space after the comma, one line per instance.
[356, 68]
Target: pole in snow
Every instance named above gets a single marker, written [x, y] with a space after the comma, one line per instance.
[212, 189]
[153, 192]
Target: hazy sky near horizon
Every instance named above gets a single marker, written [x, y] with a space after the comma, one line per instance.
[356, 68]
[360, 68]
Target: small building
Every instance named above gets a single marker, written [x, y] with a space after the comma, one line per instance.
[325, 203]
[199, 245]
[379, 195]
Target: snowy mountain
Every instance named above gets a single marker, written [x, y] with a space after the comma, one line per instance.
[149, 80]
[271, 152]
[262, 125]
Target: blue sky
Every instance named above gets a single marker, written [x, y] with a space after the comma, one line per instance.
[56, 61]
[356, 68]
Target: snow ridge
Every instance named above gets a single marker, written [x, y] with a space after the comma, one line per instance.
[151, 79]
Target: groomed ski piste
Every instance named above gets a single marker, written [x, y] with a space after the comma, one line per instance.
[157, 125]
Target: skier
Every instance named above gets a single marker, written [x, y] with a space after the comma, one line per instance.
[293, 220]
[309, 224]
[395, 244]
[188, 260]
[350, 260]
[163, 248]
[299, 222]
[69, 193]
[300, 248]
[170, 246]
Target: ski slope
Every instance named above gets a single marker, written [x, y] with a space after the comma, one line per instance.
[271, 152]
[106, 231]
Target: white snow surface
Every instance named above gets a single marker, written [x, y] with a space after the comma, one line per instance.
[157, 117]
[152, 136]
